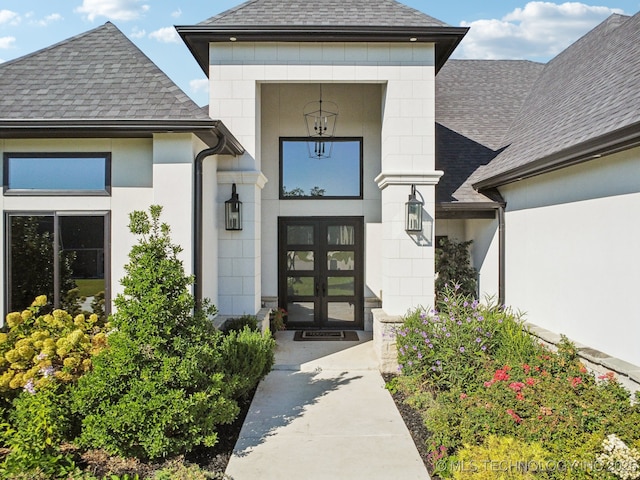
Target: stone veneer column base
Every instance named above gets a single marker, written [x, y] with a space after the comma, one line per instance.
[384, 340]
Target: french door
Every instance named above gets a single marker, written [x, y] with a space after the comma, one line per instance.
[320, 271]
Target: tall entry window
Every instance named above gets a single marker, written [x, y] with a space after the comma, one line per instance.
[61, 255]
[339, 176]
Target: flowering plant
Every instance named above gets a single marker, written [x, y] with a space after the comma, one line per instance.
[619, 459]
[278, 316]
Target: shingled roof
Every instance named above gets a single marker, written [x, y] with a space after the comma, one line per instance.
[98, 80]
[476, 102]
[321, 21]
[585, 104]
[324, 12]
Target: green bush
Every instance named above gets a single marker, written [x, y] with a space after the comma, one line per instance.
[39, 422]
[247, 356]
[501, 458]
[450, 346]
[167, 379]
[453, 267]
[236, 324]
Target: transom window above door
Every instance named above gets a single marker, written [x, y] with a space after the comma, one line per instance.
[304, 177]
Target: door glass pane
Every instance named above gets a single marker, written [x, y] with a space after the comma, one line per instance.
[340, 286]
[341, 235]
[300, 286]
[31, 260]
[300, 312]
[82, 248]
[300, 260]
[341, 312]
[300, 235]
[341, 260]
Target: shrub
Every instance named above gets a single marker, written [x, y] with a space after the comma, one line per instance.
[39, 349]
[237, 324]
[453, 266]
[450, 346]
[163, 384]
[247, 356]
[39, 423]
[500, 458]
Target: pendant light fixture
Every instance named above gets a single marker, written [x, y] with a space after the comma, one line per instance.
[320, 120]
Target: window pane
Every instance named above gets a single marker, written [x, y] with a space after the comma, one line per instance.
[54, 173]
[341, 260]
[82, 246]
[341, 312]
[341, 235]
[30, 260]
[300, 261]
[337, 176]
[300, 235]
[300, 312]
[300, 286]
[339, 286]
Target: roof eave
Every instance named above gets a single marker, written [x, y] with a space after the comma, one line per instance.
[209, 131]
[198, 37]
[607, 144]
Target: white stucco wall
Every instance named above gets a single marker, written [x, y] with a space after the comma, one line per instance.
[240, 73]
[572, 256]
[143, 172]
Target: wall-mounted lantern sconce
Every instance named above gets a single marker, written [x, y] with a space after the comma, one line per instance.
[233, 211]
[413, 220]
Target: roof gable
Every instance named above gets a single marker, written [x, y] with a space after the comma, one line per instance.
[585, 98]
[99, 74]
[324, 12]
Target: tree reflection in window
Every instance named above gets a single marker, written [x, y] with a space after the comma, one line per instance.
[339, 176]
[75, 280]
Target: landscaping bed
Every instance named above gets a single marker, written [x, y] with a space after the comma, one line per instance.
[484, 400]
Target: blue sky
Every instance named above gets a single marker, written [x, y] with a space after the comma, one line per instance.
[499, 29]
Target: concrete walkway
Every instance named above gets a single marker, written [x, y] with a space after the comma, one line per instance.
[323, 413]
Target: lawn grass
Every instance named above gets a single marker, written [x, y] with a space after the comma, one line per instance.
[90, 286]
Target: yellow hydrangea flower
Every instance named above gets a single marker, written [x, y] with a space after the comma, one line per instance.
[40, 301]
[71, 362]
[12, 356]
[26, 315]
[14, 319]
[3, 337]
[5, 379]
[17, 381]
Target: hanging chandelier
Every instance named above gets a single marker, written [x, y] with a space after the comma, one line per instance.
[320, 119]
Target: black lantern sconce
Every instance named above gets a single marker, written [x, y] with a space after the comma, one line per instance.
[413, 219]
[233, 211]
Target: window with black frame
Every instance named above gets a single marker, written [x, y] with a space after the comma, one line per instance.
[62, 256]
[304, 176]
[57, 173]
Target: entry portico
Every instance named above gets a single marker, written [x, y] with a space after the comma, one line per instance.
[266, 60]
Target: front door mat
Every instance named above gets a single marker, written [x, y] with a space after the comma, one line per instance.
[325, 335]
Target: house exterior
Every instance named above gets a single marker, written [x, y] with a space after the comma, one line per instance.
[536, 163]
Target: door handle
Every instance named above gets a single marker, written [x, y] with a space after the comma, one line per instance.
[317, 289]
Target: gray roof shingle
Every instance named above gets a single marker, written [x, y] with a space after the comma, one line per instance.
[99, 74]
[323, 12]
[589, 90]
[476, 102]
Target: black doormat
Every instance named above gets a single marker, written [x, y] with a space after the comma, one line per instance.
[325, 335]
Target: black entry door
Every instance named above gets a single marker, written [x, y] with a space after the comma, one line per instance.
[320, 271]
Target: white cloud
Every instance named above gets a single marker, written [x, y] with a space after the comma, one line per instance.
[165, 35]
[137, 33]
[540, 30]
[54, 17]
[113, 9]
[7, 16]
[199, 85]
[7, 42]
[177, 13]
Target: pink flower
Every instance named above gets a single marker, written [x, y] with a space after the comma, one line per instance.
[530, 381]
[575, 381]
[463, 396]
[514, 415]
